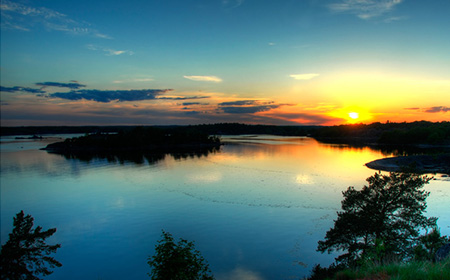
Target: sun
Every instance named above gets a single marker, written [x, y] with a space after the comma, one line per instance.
[353, 115]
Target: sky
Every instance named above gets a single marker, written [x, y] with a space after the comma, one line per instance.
[173, 62]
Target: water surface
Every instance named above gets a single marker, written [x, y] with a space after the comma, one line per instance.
[255, 209]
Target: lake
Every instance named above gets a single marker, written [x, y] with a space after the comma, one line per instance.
[255, 209]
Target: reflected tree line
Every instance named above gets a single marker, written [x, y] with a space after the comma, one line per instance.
[151, 144]
[138, 145]
[139, 158]
[392, 150]
[382, 223]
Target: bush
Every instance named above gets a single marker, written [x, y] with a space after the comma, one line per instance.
[178, 261]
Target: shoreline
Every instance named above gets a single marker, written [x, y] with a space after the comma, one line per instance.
[418, 163]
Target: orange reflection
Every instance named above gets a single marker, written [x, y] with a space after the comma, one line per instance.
[300, 156]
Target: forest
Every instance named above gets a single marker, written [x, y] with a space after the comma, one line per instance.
[420, 132]
[137, 139]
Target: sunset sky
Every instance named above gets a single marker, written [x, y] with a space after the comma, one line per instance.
[283, 62]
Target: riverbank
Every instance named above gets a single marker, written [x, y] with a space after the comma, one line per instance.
[418, 163]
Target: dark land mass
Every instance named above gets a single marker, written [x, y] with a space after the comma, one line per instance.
[423, 132]
[401, 139]
[415, 133]
[139, 144]
[137, 140]
[416, 163]
[211, 129]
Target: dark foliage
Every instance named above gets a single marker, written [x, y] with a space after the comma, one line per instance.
[138, 139]
[320, 273]
[178, 261]
[422, 132]
[442, 253]
[381, 221]
[381, 224]
[429, 244]
[210, 129]
[26, 255]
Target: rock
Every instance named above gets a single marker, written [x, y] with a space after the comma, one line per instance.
[442, 253]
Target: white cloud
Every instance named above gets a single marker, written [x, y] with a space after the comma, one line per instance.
[308, 76]
[364, 9]
[204, 78]
[108, 51]
[21, 17]
[117, 52]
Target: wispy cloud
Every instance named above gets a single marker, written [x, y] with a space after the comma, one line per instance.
[106, 96]
[183, 97]
[103, 96]
[303, 118]
[364, 9]
[204, 78]
[248, 109]
[117, 52]
[21, 17]
[20, 89]
[231, 4]
[247, 106]
[393, 19]
[438, 109]
[108, 51]
[239, 103]
[192, 103]
[71, 85]
[435, 109]
[308, 76]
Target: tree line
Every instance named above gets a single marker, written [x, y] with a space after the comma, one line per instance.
[137, 139]
[420, 132]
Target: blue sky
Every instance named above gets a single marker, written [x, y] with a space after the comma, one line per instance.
[252, 61]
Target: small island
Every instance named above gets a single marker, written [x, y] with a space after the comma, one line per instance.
[137, 140]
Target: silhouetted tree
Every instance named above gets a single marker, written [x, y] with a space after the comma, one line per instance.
[381, 220]
[429, 244]
[25, 255]
[177, 261]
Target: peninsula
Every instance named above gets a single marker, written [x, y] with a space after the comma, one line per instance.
[417, 163]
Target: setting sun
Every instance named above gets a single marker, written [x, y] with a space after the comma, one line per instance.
[353, 115]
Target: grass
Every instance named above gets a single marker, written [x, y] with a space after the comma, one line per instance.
[395, 271]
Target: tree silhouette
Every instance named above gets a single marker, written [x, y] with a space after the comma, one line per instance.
[382, 220]
[26, 255]
[429, 244]
[177, 261]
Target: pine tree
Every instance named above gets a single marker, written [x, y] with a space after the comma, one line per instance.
[25, 255]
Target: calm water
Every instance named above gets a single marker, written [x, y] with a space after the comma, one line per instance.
[255, 209]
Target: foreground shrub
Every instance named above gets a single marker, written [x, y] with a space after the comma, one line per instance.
[178, 261]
